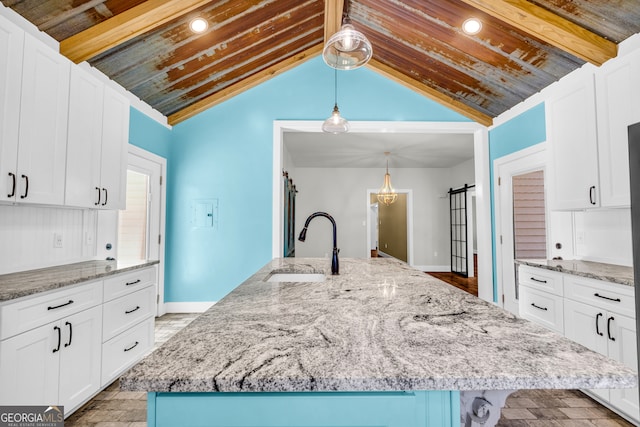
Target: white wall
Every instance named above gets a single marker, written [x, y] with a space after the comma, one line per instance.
[27, 235]
[604, 235]
[342, 192]
[463, 173]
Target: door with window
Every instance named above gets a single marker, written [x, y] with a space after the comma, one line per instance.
[140, 228]
[521, 218]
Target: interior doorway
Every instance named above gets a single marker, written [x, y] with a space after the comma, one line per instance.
[141, 224]
[389, 228]
[521, 218]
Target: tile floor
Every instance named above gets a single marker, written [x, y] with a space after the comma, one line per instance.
[524, 408]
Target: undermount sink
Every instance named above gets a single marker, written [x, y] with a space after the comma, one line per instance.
[296, 277]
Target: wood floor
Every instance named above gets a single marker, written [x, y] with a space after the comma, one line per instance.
[469, 284]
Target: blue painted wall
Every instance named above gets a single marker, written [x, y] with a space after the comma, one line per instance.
[523, 131]
[148, 134]
[225, 154]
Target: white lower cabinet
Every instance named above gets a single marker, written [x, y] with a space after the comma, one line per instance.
[597, 314]
[63, 347]
[611, 334]
[126, 349]
[128, 320]
[54, 364]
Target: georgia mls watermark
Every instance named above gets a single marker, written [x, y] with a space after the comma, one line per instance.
[31, 416]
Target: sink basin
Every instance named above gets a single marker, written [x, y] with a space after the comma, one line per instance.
[296, 277]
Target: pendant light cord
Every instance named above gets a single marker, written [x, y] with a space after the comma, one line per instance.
[335, 87]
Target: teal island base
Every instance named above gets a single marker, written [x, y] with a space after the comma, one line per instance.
[306, 409]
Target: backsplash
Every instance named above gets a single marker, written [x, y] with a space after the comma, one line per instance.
[604, 235]
[28, 235]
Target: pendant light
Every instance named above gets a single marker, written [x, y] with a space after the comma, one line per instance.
[347, 49]
[387, 194]
[335, 123]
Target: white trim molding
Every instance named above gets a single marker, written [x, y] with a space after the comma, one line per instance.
[483, 201]
[188, 307]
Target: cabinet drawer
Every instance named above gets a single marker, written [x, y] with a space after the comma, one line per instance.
[122, 313]
[123, 284]
[126, 349]
[542, 308]
[608, 296]
[31, 312]
[540, 278]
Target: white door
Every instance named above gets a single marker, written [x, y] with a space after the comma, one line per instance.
[141, 225]
[11, 42]
[80, 357]
[622, 347]
[44, 108]
[29, 367]
[114, 149]
[587, 325]
[519, 164]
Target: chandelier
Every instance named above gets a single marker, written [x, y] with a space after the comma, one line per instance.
[387, 194]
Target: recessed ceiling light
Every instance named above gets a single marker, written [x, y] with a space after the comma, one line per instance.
[472, 26]
[198, 25]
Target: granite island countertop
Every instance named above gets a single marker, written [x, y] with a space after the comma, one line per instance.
[594, 270]
[380, 325]
[31, 282]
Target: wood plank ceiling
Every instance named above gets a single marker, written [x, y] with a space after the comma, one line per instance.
[148, 48]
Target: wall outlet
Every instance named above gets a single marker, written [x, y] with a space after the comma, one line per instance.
[57, 240]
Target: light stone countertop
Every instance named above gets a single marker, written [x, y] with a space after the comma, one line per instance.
[594, 270]
[31, 282]
[378, 326]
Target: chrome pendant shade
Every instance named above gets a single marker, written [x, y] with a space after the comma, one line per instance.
[347, 49]
[387, 194]
[335, 123]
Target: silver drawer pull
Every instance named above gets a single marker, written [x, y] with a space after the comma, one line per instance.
[538, 307]
[607, 298]
[132, 347]
[538, 280]
[131, 311]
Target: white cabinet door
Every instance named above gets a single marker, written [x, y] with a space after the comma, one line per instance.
[43, 124]
[29, 367]
[618, 95]
[587, 325]
[80, 357]
[622, 347]
[571, 133]
[115, 137]
[11, 47]
[83, 188]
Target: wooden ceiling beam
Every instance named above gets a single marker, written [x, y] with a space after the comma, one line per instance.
[125, 26]
[430, 92]
[332, 17]
[550, 27]
[243, 85]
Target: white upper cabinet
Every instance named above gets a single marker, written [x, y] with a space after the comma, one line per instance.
[571, 132]
[115, 138]
[618, 103]
[11, 47]
[98, 137]
[86, 93]
[43, 125]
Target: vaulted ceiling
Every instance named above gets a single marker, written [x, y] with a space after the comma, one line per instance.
[148, 48]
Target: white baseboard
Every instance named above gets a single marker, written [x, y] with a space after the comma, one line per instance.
[187, 307]
[434, 268]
